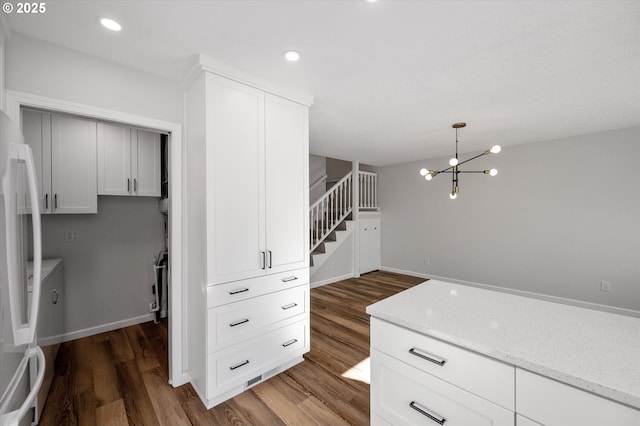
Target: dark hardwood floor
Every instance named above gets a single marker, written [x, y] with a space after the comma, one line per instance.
[120, 377]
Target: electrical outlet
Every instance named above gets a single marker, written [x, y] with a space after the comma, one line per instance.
[605, 286]
[69, 236]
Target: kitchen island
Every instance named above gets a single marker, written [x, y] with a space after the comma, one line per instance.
[495, 357]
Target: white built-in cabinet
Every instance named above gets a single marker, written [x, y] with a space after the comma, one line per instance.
[247, 235]
[370, 241]
[64, 150]
[128, 161]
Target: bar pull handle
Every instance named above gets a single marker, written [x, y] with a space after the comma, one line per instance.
[429, 358]
[289, 343]
[55, 201]
[287, 279]
[289, 306]
[128, 185]
[135, 185]
[233, 324]
[242, 290]
[263, 261]
[239, 365]
[270, 259]
[424, 412]
[46, 201]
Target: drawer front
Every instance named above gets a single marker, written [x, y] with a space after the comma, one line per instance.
[376, 420]
[235, 291]
[478, 374]
[238, 364]
[403, 395]
[555, 404]
[235, 322]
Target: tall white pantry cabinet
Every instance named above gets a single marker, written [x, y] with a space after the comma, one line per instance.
[247, 235]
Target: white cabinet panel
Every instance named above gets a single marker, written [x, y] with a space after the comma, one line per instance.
[555, 404]
[369, 244]
[114, 159]
[145, 163]
[523, 421]
[287, 187]
[235, 199]
[73, 165]
[128, 161]
[36, 128]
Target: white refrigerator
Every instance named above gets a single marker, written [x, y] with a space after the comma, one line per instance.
[20, 239]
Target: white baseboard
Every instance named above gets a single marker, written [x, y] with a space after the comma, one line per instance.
[540, 296]
[331, 280]
[78, 334]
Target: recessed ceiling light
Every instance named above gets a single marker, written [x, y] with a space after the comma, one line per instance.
[291, 55]
[371, 1]
[110, 24]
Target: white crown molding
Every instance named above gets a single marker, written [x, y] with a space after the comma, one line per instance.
[204, 63]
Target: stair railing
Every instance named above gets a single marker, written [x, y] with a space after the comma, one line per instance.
[330, 210]
[368, 189]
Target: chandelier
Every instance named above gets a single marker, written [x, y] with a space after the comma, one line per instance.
[454, 166]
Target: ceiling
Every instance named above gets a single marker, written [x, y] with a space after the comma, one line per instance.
[389, 78]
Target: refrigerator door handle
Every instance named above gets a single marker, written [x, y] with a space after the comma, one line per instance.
[13, 418]
[24, 333]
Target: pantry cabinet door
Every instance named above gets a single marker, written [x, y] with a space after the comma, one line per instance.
[36, 128]
[73, 165]
[145, 163]
[287, 184]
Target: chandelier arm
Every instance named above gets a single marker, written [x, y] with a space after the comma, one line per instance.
[472, 171]
[472, 158]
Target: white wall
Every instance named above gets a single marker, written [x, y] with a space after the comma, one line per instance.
[339, 266]
[560, 217]
[108, 267]
[317, 169]
[44, 69]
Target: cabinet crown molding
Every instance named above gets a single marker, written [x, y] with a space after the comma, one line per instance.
[204, 63]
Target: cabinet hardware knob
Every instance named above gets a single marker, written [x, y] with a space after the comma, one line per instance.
[242, 290]
[54, 296]
[424, 412]
[239, 365]
[430, 358]
[233, 324]
[289, 343]
[286, 280]
[289, 306]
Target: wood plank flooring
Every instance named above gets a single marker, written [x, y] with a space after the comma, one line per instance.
[120, 377]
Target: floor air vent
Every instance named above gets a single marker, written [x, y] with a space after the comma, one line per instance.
[254, 380]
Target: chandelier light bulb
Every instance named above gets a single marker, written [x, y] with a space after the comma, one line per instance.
[493, 172]
[453, 162]
[495, 149]
[423, 172]
[453, 195]
[428, 176]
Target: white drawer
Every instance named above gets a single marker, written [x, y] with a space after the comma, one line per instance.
[376, 420]
[405, 395]
[235, 291]
[556, 404]
[480, 375]
[238, 364]
[232, 323]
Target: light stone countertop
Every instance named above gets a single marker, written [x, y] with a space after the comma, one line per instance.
[592, 350]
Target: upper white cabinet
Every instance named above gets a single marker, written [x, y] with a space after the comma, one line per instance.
[64, 149]
[256, 174]
[128, 161]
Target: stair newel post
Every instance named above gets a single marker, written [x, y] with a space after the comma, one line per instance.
[356, 218]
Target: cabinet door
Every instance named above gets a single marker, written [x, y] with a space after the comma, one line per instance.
[145, 163]
[36, 128]
[287, 184]
[369, 245]
[234, 180]
[73, 165]
[114, 160]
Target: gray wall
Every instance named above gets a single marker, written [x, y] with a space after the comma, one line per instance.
[317, 169]
[107, 268]
[560, 217]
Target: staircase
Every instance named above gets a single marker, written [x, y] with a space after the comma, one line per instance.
[331, 217]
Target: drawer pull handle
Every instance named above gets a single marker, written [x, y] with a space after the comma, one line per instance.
[240, 365]
[289, 306]
[424, 412]
[286, 280]
[242, 290]
[289, 343]
[233, 324]
[431, 358]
